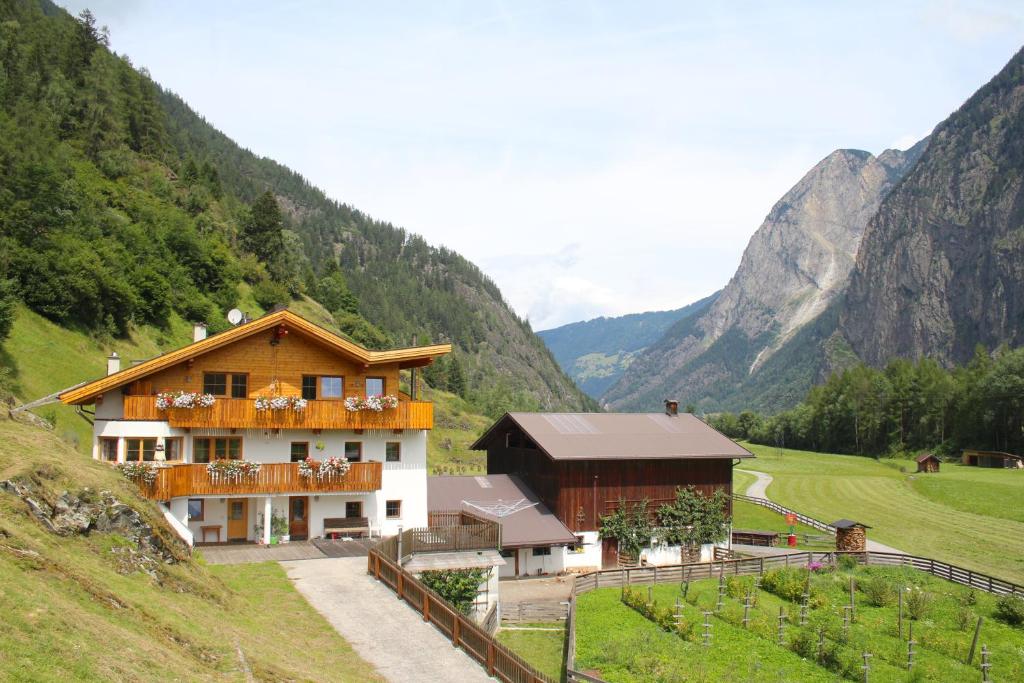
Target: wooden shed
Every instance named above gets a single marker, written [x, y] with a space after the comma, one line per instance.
[927, 462]
[992, 459]
[850, 535]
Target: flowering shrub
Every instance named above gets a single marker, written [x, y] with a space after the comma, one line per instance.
[138, 471]
[262, 403]
[375, 403]
[279, 403]
[918, 602]
[233, 470]
[299, 404]
[817, 567]
[184, 399]
[324, 470]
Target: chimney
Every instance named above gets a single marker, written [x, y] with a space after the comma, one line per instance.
[671, 407]
[198, 332]
[113, 363]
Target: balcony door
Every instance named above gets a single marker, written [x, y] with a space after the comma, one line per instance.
[238, 519]
[298, 517]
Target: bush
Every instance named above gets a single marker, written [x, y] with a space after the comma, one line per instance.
[965, 618]
[1010, 609]
[788, 584]
[737, 587]
[847, 562]
[269, 293]
[878, 590]
[457, 586]
[664, 617]
[917, 602]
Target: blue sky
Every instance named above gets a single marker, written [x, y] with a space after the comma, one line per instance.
[595, 158]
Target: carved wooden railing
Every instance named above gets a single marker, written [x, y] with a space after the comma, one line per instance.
[241, 413]
[194, 480]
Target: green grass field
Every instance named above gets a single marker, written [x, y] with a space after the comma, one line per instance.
[622, 644]
[544, 649]
[73, 612]
[962, 515]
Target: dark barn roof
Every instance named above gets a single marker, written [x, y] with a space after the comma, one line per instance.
[848, 524]
[617, 436]
[531, 524]
[926, 456]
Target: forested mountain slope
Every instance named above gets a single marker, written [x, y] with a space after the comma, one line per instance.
[119, 206]
[941, 266]
[596, 352]
[768, 335]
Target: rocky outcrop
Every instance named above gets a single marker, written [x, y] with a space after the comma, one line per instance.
[86, 511]
[795, 268]
[941, 267]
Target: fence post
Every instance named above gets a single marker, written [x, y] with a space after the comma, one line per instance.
[426, 606]
[376, 570]
[490, 657]
[398, 584]
[455, 631]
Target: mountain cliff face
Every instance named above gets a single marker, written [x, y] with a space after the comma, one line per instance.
[941, 267]
[794, 270]
[596, 352]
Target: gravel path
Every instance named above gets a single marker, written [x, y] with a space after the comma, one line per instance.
[384, 630]
[759, 489]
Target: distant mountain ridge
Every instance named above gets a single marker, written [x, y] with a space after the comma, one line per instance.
[596, 352]
[765, 339]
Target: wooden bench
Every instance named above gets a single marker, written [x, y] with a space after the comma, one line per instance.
[751, 537]
[346, 526]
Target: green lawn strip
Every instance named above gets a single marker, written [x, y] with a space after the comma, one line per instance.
[990, 492]
[755, 517]
[543, 649]
[830, 487]
[741, 481]
[622, 645]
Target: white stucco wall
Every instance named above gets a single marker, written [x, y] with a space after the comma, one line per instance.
[531, 566]
[405, 480]
[590, 556]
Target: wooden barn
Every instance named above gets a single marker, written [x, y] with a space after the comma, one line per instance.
[582, 465]
[995, 459]
[927, 462]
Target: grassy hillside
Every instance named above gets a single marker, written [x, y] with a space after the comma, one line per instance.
[954, 515]
[72, 613]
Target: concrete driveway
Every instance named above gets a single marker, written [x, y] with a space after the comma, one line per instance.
[384, 630]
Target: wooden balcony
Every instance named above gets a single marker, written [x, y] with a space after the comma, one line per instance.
[277, 478]
[241, 413]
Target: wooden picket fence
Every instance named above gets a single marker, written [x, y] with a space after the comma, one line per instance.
[496, 659]
[617, 578]
[529, 612]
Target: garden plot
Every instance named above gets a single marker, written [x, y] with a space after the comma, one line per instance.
[657, 633]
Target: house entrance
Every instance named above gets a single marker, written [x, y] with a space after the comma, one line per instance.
[238, 519]
[609, 553]
[298, 517]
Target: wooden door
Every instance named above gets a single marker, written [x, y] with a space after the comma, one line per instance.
[238, 519]
[298, 517]
[609, 553]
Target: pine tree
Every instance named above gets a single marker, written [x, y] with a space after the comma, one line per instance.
[261, 233]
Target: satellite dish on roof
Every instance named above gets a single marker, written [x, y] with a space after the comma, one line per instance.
[234, 316]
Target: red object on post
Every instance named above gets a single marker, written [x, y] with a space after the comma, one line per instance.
[791, 541]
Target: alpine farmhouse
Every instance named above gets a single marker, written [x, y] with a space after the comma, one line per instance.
[274, 427]
[551, 477]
